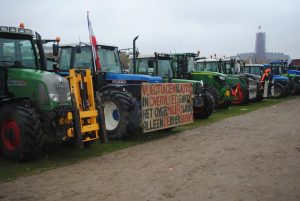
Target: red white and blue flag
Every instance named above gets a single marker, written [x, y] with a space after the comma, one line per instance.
[93, 42]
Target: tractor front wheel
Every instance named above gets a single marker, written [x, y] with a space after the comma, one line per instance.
[21, 132]
[117, 106]
[278, 91]
[214, 93]
[207, 109]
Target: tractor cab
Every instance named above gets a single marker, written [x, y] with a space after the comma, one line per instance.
[23, 60]
[278, 67]
[155, 65]
[80, 56]
[256, 69]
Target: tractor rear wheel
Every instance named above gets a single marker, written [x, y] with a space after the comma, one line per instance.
[135, 122]
[278, 91]
[207, 109]
[21, 132]
[117, 106]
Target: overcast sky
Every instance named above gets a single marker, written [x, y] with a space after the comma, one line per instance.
[224, 27]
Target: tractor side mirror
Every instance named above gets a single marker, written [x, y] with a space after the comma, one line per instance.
[55, 49]
[78, 49]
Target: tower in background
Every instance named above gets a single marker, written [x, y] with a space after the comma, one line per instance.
[261, 55]
[260, 45]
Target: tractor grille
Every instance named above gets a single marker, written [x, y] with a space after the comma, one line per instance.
[62, 93]
[57, 85]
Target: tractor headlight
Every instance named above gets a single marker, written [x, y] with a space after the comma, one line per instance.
[54, 97]
[69, 96]
[201, 83]
[222, 77]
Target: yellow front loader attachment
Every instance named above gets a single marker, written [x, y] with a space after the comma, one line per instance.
[85, 114]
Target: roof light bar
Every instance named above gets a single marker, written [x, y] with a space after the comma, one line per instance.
[16, 30]
[12, 29]
[3, 28]
[20, 30]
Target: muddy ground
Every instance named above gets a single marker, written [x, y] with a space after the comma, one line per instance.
[250, 157]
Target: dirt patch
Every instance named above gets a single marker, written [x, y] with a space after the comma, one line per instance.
[251, 157]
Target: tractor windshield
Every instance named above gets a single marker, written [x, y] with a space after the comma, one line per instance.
[164, 66]
[208, 66]
[226, 68]
[109, 60]
[277, 69]
[65, 58]
[145, 66]
[82, 59]
[252, 70]
[17, 53]
[191, 64]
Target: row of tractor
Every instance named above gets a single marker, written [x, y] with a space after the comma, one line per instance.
[80, 93]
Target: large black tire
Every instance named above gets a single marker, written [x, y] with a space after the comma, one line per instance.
[135, 122]
[207, 109]
[101, 119]
[293, 89]
[117, 107]
[212, 91]
[279, 91]
[21, 132]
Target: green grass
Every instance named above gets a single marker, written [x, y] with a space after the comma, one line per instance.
[56, 155]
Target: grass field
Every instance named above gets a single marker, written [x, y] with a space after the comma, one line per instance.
[55, 155]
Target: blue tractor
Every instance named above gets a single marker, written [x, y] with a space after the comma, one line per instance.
[280, 86]
[120, 93]
[281, 68]
[278, 73]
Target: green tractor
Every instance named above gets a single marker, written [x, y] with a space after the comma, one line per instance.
[243, 87]
[216, 82]
[251, 90]
[161, 65]
[32, 100]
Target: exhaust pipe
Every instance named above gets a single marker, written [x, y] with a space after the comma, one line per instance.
[134, 54]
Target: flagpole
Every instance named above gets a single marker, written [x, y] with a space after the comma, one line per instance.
[91, 42]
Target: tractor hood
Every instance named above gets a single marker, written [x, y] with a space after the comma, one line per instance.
[280, 78]
[47, 89]
[210, 73]
[233, 79]
[28, 72]
[294, 72]
[133, 77]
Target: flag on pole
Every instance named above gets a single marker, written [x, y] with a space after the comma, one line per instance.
[93, 42]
